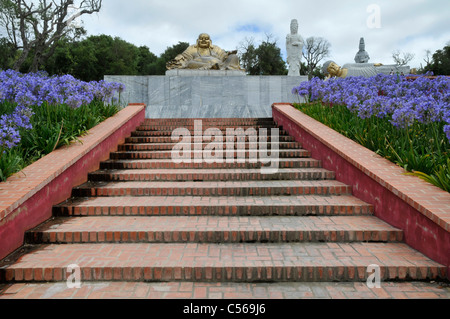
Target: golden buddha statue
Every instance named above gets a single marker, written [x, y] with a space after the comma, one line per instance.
[205, 56]
[331, 69]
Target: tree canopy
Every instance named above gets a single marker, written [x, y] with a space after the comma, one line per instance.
[94, 57]
[34, 28]
[91, 58]
[265, 59]
[440, 63]
[315, 50]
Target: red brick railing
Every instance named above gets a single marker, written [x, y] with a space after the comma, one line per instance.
[420, 209]
[27, 198]
[415, 77]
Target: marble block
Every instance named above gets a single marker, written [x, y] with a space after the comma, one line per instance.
[208, 96]
[186, 72]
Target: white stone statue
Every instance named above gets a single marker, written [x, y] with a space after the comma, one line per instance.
[294, 48]
[362, 56]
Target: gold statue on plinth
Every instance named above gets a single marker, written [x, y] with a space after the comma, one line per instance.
[331, 69]
[205, 56]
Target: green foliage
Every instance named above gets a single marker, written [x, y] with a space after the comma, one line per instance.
[440, 178]
[105, 55]
[173, 51]
[96, 56]
[7, 54]
[91, 58]
[264, 60]
[422, 149]
[270, 61]
[316, 72]
[54, 126]
[10, 163]
[159, 66]
[440, 64]
[249, 58]
[146, 60]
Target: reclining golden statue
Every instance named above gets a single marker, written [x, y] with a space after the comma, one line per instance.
[205, 56]
[331, 69]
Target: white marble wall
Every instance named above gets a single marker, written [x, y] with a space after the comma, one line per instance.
[208, 96]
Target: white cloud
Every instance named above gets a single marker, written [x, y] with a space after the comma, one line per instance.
[406, 25]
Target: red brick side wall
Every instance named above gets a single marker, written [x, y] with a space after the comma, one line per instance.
[27, 198]
[420, 209]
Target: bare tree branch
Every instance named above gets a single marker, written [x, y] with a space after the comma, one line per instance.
[401, 58]
[36, 26]
[315, 50]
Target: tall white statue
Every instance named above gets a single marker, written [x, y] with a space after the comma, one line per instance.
[362, 56]
[294, 48]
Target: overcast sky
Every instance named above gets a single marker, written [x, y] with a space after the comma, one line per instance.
[407, 25]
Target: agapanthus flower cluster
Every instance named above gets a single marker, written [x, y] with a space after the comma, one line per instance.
[403, 99]
[10, 124]
[35, 89]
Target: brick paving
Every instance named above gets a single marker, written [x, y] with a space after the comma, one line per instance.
[146, 227]
[214, 205]
[225, 262]
[202, 290]
[214, 229]
[211, 188]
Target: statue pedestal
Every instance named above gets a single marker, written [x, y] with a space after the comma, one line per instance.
[186, 95]
[186, 72]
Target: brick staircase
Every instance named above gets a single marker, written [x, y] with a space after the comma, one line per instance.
[145, 218]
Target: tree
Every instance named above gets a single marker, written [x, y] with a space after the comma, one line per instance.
[145, 61]
[317, 72]
[92, 58]
[85, 60]
[247, 54]
[173, 51]
[314, 51]
[35, 27]
[102, 55]
[158, 65]
[266, 59]
[62, 61]
[402, 58]
[7, 54]
[440, 64]
[428, 57]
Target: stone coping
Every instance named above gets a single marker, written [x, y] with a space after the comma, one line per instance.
[188, 72]
[429, 200]
[23, 185]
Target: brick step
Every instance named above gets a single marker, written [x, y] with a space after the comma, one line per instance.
[208, 262]
[212, 229]
[215, 188]
[169, 164]
[301, 205]
[246, 155]
[170, 146]
[224, 121]
[204, 126]
[210, 175]
[200, 133]
[229, 291]
[168, 139]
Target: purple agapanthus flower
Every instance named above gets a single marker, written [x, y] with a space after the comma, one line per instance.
[35, 89]
[423, 100]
